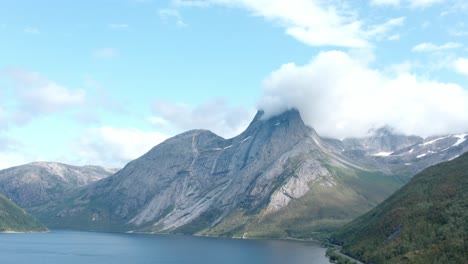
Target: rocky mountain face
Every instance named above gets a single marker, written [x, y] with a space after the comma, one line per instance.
[198, 182]
[37, 183]
[278, 178]
[392, 152]
[381, 142]
[424, 222]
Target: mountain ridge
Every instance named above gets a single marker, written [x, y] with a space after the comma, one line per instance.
[35, 183]
[278, 178]
[197, 182]
[424, 222]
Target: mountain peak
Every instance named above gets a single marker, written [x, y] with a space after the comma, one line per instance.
[288, 115]
[382, 131]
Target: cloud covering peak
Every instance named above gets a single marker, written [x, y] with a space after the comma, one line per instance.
[340, 96]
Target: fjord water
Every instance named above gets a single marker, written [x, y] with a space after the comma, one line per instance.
[73, 247]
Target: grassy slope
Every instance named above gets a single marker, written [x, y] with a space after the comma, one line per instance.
[321, 211]
[424, 222]
[72, 214]
[13, 218]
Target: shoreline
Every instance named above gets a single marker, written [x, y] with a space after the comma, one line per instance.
[292, 239]
[24, 232]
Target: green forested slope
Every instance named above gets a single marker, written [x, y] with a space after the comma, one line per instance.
[15, 219]
[424, 222]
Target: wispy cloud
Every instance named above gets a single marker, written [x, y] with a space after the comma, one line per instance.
[385, 2]
[105, 53]
[10, 159]
[31, 30]
[394, 37]
[167, 15]
[114, 146]
[458, 33]
[430, 47]
[382, 29]
[315, 23]
[36, 95]
[424, 3]
[190, 3]
[216, 115]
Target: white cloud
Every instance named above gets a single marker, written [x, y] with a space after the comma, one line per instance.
[430, 47]
[190, 3]
[158, 121]
[114, 147]
[394, 37]
[168, 14]
[8, 160]
[458, 33]
[105, 53]
[385, 2]
[424, 3]
[311, 22]
[400, 68]
[118, 26]
[3, 118]
[12, 152]
[342, 97]
[382, 29]
[461, 66]
[32, 30]
[215, 115]
[39, 95]
[315, 23]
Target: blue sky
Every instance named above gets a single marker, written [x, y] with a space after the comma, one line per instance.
[101, 82]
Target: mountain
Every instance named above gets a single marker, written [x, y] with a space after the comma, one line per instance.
[391, 152]
[15, 219]
[424, 222]
[37, 183]
[382, 142]
[276, 179]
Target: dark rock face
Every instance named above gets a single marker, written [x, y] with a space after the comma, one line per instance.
[40, 182]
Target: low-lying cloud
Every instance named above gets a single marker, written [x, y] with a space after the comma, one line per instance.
[342, 97]
[216, 115]
[114, 146]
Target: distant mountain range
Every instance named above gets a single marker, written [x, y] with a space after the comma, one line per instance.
[38, 183]
[424, 222]
[278, 178]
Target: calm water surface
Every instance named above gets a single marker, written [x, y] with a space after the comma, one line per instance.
[70, 247]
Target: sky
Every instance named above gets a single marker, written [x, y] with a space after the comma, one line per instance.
[102, 82]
